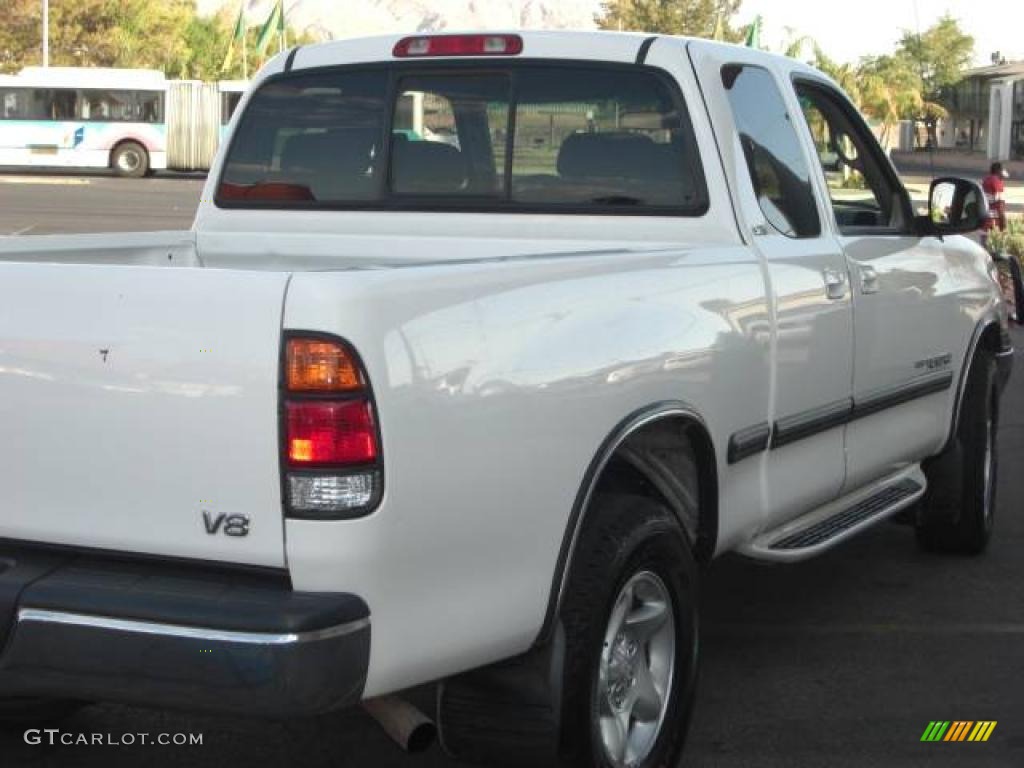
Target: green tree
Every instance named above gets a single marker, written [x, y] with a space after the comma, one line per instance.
[21, 34]
[845, 75]
[890, 91]
[940, 54]
[893, 88]
[699, 18]
[905, 85]
[207, 39]
[136, 33]
[153, 34]
[882, 88]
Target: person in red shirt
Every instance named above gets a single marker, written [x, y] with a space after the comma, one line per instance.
[994, 190]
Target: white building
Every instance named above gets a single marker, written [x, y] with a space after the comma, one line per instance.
[986, 112]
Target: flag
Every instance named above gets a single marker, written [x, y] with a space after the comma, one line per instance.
[719, 33]
[754, 33]
[238, 36]
[274, 26]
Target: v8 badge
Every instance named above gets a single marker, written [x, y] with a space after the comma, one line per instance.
[229, 525]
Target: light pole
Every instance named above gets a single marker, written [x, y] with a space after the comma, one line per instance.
[46, 33]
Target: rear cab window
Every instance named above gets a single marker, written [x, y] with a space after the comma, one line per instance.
[522, 136]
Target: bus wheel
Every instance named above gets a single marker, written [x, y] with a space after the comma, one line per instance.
[130, 159]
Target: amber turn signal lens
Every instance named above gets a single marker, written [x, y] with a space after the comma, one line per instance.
[321, 366]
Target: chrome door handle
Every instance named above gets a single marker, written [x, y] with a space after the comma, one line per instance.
[868, 280]
[835, 284]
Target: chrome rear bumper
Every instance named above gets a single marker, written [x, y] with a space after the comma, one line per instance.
[141, 657]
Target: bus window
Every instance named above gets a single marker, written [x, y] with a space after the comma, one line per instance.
[107, 105]
[24, 104]
[150, 106]
[43, 104]
[94, 105]
[228, 104]
[14, 103]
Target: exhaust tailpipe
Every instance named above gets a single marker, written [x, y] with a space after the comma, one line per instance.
[412, 730]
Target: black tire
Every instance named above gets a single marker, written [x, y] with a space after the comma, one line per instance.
[130, 159]
[20, 712]
[959, 508]
[625, 537]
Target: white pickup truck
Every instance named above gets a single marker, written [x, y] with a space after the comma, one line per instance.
[480, 346]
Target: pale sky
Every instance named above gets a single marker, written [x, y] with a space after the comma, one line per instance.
[848, 30]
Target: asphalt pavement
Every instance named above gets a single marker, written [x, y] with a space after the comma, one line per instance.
[52, 203]
[838, 662]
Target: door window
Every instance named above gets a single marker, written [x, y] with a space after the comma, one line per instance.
[771, 147]
[864, 195]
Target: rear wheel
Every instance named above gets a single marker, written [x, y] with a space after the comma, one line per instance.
[958, 512]
[630, 619]
[130, 159]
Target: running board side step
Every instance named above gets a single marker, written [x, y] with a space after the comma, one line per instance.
[827, 526]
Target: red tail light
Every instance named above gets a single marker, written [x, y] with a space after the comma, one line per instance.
[330, 433]
[458, 45]
[331, 452]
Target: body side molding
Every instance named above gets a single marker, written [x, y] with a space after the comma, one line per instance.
[890, 397]
[754, 439]
[812, 422]
[749, 441]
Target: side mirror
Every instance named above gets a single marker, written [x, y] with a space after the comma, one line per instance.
[955, 206]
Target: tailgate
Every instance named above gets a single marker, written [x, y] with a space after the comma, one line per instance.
[138, 409]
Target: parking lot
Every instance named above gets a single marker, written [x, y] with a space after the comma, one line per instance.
[51, 203]
[840, 661]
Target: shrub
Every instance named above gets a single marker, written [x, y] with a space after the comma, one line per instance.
[1011, 240]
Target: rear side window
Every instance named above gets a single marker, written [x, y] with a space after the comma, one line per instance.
[772, 149]
[569, 138]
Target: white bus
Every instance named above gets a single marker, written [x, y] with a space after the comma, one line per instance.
[131, 120]
[77, 117]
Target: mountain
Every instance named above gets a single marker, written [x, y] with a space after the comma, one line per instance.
[331, 19]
